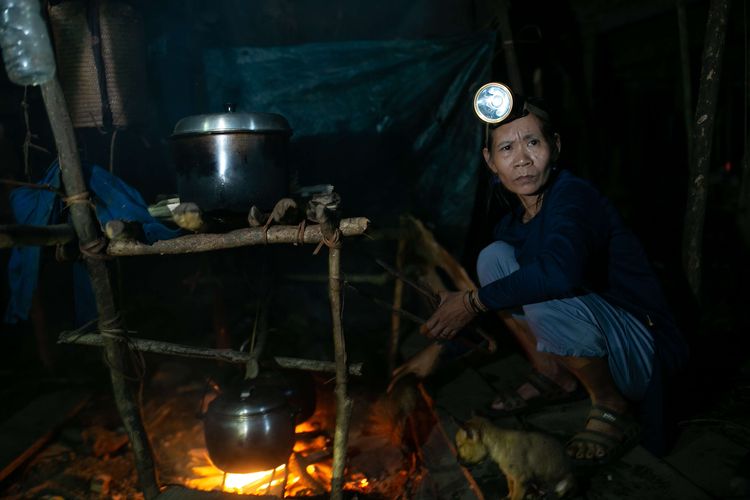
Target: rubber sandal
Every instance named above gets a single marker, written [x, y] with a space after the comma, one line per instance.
[615, 446]
[549, 394]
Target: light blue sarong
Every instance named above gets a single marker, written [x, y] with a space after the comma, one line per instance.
[584, 325]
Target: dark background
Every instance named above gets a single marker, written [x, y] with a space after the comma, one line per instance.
[610, 72]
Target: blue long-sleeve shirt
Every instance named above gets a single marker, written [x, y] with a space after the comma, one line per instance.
[578, 244]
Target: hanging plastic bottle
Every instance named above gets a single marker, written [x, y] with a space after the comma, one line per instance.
[24, 40]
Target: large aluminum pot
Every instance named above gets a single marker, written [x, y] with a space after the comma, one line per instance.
[227, 162]
[249, 428]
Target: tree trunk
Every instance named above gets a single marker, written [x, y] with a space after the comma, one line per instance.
[695, 210]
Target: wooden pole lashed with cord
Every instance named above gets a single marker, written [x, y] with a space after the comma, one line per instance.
[343, 402]
[117, 353]
[332, 237]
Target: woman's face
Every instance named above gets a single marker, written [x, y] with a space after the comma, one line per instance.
[521, 156]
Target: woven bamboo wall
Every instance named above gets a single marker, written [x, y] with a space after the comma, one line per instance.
[123, 51]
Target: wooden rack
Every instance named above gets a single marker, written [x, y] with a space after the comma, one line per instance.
[111, 335]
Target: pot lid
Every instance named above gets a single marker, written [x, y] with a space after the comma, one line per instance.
[248, 399]
[231, 121]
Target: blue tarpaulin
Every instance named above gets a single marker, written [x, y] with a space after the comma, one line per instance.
[113, 199]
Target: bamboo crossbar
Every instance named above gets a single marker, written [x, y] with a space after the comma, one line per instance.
[241, 237]
[227, 355]
[18, 235]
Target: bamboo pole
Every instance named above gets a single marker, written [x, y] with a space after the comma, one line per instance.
[398, 298]
[19, 235]
[687, 87]
[186, 351]
[695, 210]
[193, 243]
[509, 48]
[743, 201]
[109, 320]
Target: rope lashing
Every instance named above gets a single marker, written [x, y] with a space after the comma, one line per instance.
[95, 249]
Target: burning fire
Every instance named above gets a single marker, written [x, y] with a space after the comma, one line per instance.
[309, 471]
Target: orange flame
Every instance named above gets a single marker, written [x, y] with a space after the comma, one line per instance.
[270, 482]
[209, 478]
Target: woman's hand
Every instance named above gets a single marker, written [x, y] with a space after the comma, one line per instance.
[421, 364]
[450, 317]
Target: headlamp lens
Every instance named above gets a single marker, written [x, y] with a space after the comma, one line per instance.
[493, 102]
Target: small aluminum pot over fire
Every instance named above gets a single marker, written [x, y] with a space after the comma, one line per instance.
[227, 162]
[249, 427]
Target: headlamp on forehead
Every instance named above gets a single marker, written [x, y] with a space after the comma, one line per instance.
[496, 104]
[493, 102]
